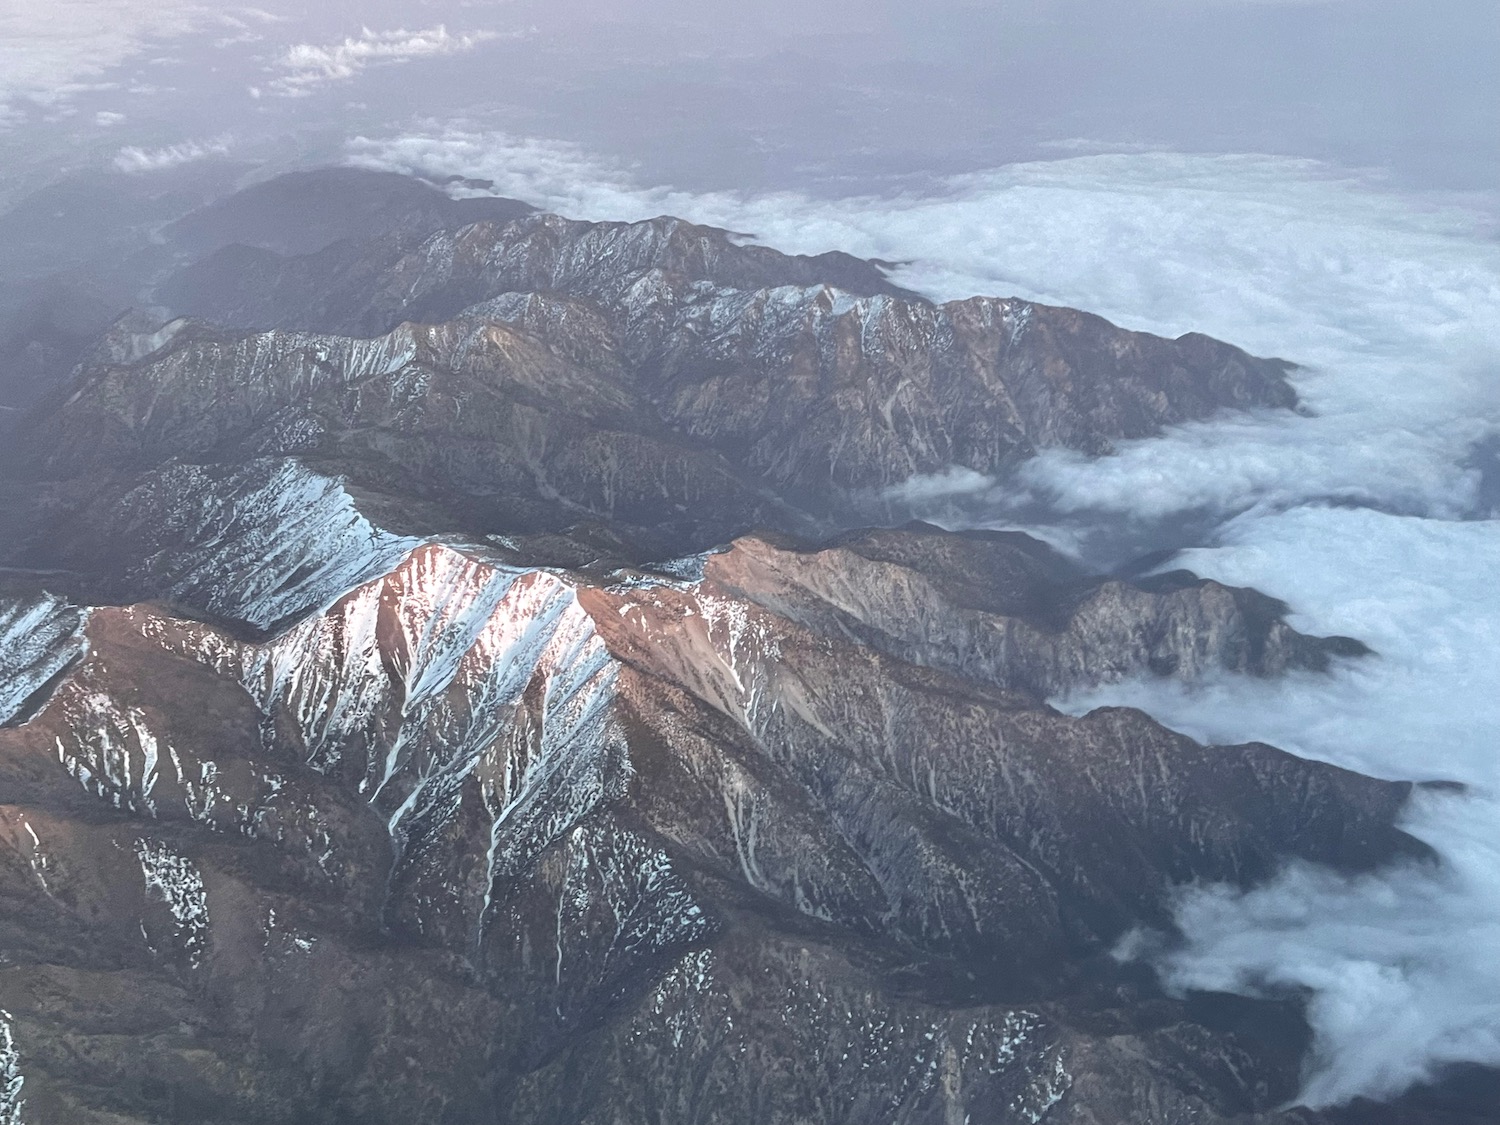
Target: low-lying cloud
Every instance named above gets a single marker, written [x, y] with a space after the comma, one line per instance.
[306, 67]
[134, 159]
[1401, 964]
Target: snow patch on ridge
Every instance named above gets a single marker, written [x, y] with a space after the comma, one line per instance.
[283, 363]
[616, 884]
[39, 638]
[748, 646]
[114, 753]
[295, 540]
[11, 1078]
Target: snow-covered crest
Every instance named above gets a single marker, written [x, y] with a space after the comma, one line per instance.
[11, 1078]
[39, 638]
[295, 540]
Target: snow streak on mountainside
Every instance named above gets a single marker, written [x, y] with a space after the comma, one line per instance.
[39, 638]
[12, 1081]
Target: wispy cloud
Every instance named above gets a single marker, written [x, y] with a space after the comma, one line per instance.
[1086, 146]
[54, 51]
[305, 66]
[245, 25]
[135, 159]
[48, 49]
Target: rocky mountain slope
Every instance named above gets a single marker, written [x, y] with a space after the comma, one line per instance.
[643, 829]
[455, 687]
[656, 377]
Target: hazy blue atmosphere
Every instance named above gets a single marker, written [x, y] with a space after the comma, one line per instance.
[1311, 180]
[764, 95]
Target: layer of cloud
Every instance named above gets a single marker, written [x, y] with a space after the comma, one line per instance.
[1351, 511]
[1401, 964]
[306, 67]
[134, 159]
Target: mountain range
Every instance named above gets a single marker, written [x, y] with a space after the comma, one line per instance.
[461, 664]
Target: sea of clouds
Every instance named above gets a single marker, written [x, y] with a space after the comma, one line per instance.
[1401, 964]
[1362, 511]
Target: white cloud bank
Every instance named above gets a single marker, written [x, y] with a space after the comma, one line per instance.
[1394, 306]
[306, 67]
[1402, 964]
[135, 159]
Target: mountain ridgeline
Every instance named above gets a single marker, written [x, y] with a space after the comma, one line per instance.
[451, 671]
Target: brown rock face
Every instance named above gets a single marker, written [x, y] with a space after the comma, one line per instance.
[1004, 608]
[530, 847]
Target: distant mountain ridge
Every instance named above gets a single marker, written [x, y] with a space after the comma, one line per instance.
[302, 212]
[78, 253]
[657, 376]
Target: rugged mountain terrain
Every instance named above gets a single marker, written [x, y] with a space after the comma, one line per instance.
[444, 680]
[509, 842]
[656, 377]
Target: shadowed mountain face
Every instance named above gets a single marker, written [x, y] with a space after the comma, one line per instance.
[439, 683]
[76, 254]
[302, 212]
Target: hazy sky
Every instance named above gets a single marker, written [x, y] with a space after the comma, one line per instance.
[765, 93]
